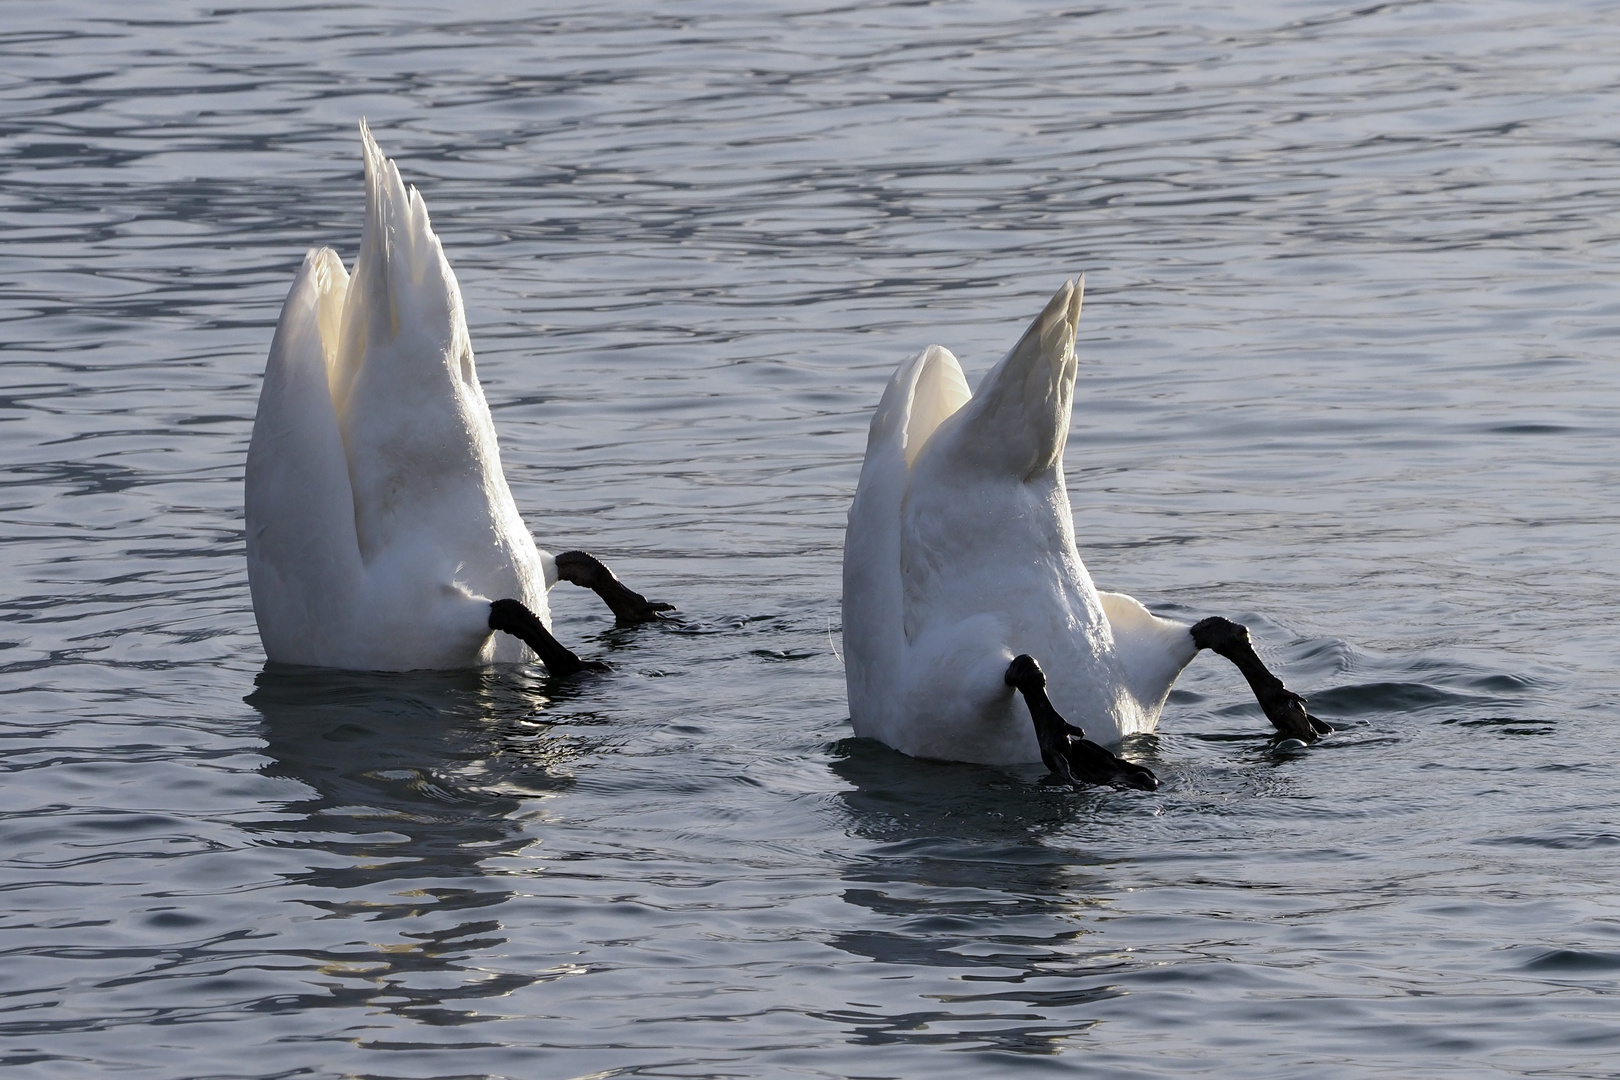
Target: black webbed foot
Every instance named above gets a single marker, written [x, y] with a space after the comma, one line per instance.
[512, 617]
[1284, 708]
[627, 605]
[1064, 748]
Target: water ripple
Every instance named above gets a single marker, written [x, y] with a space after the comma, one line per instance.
[1346, 376]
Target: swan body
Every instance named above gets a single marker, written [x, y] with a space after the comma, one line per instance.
[960, 556]
[379, 524]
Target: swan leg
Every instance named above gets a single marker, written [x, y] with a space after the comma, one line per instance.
[1282, 706]
[1064, 747]
[627, 605]
[513, 618]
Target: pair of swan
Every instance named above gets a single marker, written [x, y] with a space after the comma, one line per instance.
[381, 534]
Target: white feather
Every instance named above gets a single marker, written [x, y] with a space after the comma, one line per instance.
[960, 554]
[379, 522]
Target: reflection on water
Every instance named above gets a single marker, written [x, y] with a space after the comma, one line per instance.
[390, 740]
[416, 781]
[975, 871]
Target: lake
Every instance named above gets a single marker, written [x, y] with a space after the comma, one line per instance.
[1347, 374]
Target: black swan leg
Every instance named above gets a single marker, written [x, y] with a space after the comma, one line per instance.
[1282, 706]
[627, 605]
[510, 616]
[1064, 747]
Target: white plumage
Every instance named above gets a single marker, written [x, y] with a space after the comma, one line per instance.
[960, 555]
[379, 524]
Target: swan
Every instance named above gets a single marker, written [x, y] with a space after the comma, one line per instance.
[381, 534]
[963, 589]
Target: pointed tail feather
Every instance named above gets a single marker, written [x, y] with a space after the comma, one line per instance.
[1018, 420]
[402, 282]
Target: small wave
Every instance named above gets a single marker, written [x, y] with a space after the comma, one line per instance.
[1564, 841]
[1378, 697]
[1572, 961]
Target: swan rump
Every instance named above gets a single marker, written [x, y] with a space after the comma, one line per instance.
[960, 555]
[379, 523]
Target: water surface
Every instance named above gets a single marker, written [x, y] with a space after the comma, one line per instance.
[1347, 375]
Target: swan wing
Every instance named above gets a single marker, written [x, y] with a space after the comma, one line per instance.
[303, 557]
[922, 393]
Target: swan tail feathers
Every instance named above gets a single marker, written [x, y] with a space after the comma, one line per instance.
[405, 294]
[423, 459]
[303, 557]
[1018, 421]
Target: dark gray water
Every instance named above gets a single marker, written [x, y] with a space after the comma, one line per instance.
[1348, 374]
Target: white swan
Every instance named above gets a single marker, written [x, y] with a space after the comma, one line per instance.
[962, 581]
[381, 534]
